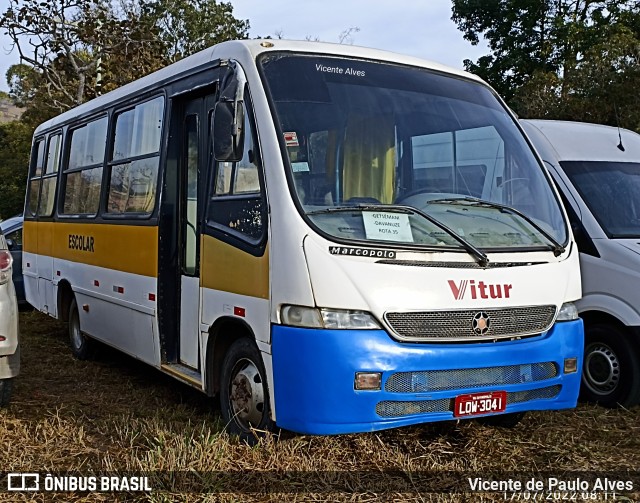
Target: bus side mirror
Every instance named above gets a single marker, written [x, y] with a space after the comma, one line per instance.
[228, 131]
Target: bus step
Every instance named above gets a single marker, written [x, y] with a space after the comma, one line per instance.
[186, 374]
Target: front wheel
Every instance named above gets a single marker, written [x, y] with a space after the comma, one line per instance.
[611, 370]
[6, 387]
[244, 395]
[82, 347]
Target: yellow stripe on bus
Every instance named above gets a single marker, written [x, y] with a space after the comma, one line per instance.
[127, 248]
[226, 268]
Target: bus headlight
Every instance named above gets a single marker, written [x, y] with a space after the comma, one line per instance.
[299, 316]
[348, 320]
[568, 312]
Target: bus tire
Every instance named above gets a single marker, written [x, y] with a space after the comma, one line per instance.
[244, 395]
[6, 387]
[82, 346]
[509, 420]
[611, 368]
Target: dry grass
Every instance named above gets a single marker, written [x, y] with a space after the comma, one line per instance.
[116, 414]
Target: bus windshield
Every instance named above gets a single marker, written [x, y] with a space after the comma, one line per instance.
[611, 190]
[360, 133]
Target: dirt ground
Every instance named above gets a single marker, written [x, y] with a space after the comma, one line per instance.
[115, 416]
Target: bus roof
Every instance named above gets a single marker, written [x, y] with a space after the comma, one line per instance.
[581, 141]
[242, 50]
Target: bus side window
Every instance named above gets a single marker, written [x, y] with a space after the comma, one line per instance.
[50, 176]
[135, 159]
[83, 174]
[237, 199]
[35, 176]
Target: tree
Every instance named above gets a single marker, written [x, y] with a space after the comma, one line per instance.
[73, 50]
[186, 27]
[565, 59]
[77, 49]
[64, 42]
[15, 141]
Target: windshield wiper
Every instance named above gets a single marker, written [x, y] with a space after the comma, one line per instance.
[557, 248]
[479, 255]
[362, 207]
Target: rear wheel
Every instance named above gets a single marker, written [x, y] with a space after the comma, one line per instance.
[82, 346]
[611, 368]
[6, 387]
[244, 395]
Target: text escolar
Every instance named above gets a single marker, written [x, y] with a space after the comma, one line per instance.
[82, 243]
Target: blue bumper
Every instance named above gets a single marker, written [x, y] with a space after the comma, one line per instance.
[314, 372]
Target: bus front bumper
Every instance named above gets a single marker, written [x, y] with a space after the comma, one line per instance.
[315, 370]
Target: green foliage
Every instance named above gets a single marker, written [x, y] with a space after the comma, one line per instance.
[73, 50]
[15, 141]
[562, 59]
[188, 26]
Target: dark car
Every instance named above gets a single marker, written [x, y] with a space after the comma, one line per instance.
[12, 230]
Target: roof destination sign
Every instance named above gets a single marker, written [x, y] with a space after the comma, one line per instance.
[387, 226]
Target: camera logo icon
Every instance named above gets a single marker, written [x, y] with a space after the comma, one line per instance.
[23, 482]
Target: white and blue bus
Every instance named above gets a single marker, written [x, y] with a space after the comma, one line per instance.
[331, 239]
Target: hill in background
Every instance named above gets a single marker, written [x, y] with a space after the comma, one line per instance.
[8, 111]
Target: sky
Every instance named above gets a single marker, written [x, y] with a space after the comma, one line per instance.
[421, 28]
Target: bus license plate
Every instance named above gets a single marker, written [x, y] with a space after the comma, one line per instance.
[475, 404]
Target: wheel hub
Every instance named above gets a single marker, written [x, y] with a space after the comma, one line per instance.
[247, 395]
[601, 369]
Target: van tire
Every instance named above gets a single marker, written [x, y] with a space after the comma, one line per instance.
[82, 347]
[244, 394]
[509, 420]
[611, 367]
[6, 387]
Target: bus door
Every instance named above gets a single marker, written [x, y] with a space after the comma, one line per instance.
[193, 168]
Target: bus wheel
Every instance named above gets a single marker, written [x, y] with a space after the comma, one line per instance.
[510, 420]
[6, 386]
[81, 346]
[244, 396]
[611, 370]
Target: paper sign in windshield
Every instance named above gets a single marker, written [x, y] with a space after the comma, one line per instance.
[387, 226]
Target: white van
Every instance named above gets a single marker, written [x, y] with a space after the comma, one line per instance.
[597, 169]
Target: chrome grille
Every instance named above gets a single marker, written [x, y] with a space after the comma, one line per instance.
[533, 394]
[395, 409]
[458, 325]
[439, 380]
[406, 408]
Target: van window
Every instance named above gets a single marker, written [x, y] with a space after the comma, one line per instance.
[611, 190]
